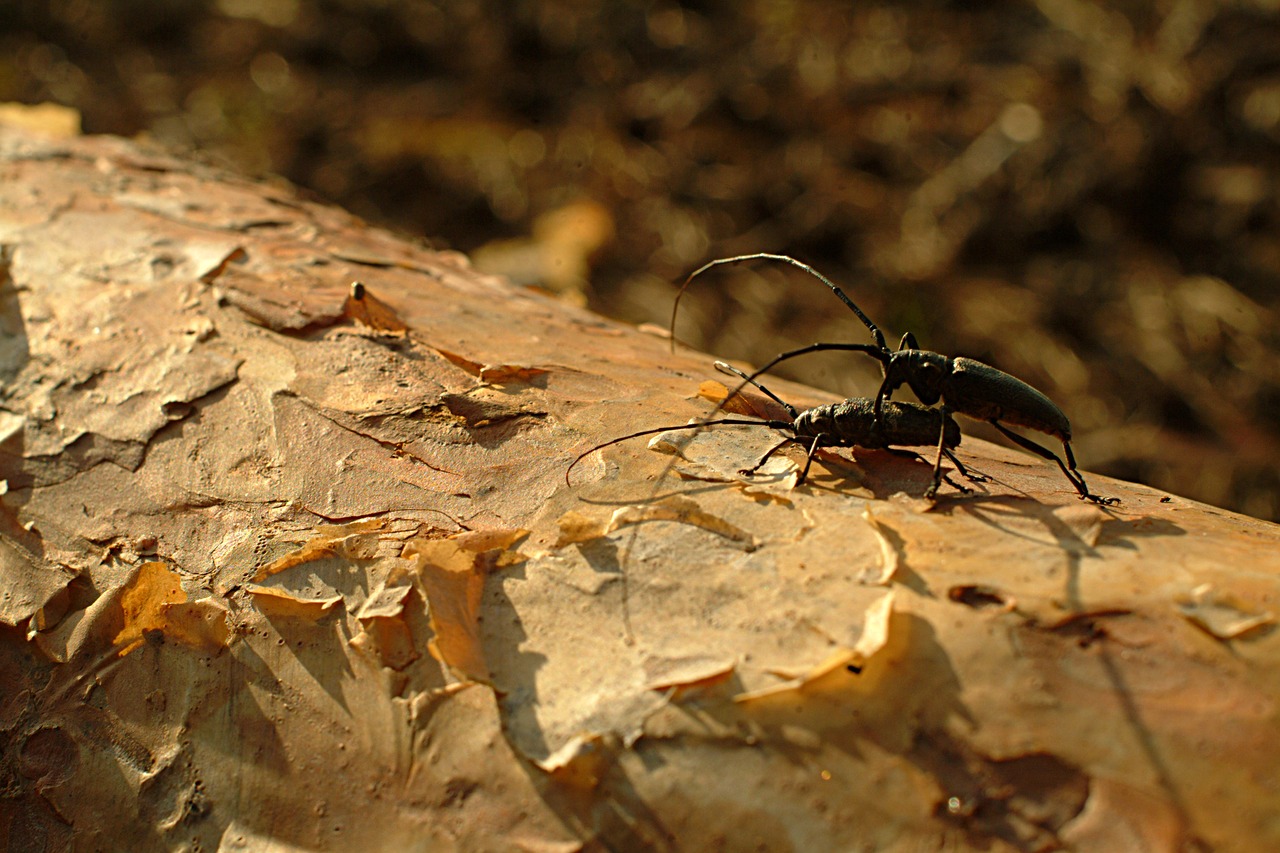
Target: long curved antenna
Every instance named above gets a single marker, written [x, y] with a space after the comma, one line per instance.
[655, 430]
[880, 355]
[765, 256]
[730, 370]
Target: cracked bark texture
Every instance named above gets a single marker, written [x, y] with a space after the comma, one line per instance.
[291, 565]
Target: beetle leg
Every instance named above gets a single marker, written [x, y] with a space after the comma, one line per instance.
[1071, 463]
[804, 473]
[942, 448]
[813, 448]
[768, 454]
[883, 394]
[911, 454]
[1070, 473]
[964, 472]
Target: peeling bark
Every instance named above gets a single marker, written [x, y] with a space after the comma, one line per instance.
[289, 563]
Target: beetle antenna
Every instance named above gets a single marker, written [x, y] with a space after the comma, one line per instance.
[655, 430]
[765, 256]
[730, 370]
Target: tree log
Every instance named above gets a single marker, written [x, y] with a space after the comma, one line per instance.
[291, 565]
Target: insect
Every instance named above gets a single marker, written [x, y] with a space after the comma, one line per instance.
[963, 385]
[848, 423]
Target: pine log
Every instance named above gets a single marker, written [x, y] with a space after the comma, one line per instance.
[292, 565]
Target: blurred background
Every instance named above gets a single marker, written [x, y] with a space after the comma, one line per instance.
[1082, 194]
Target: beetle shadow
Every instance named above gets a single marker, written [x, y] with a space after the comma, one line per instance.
[657, 496]
[1113, 530]
[1075, 543]
[884, 473]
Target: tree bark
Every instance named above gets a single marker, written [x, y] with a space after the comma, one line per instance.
[288, 565]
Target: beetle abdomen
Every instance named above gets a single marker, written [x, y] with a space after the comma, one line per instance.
[851, 423]
[985, 393]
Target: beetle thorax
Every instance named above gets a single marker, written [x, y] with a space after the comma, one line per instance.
[926, 372]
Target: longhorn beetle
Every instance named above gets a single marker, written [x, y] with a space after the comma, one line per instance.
[962, 384]
[849, 423]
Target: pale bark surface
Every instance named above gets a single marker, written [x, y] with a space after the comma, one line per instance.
[286, 570]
